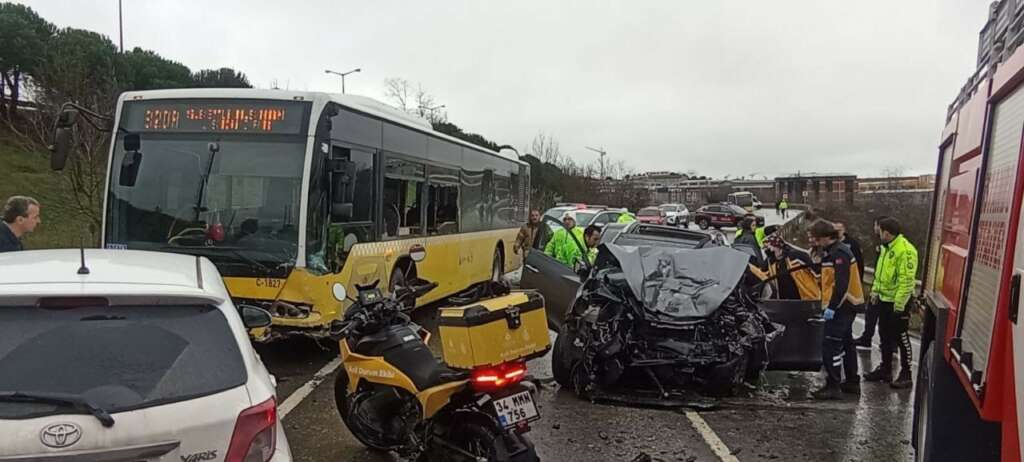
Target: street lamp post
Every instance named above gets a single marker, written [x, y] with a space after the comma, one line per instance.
[431, 109]
[342, 74]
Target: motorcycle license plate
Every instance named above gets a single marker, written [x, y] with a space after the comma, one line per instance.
[513, 409]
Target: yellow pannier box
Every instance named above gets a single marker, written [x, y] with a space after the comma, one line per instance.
[494, 331]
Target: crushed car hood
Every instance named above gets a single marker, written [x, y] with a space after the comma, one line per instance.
[679, 283]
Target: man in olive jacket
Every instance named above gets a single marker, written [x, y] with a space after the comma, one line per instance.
[891, 291]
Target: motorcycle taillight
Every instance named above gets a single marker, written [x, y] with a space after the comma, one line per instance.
[493, 378]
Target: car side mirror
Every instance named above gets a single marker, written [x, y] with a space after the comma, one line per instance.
[255, 317]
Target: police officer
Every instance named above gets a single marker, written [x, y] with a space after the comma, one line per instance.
[20, 217]
[842, 295]
[891, 291]
[871, 313]
[562, 246]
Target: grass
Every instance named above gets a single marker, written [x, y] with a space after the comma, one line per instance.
[28, 173]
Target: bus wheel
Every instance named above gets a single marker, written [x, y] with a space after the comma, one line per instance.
[497, 266]
[398, 279]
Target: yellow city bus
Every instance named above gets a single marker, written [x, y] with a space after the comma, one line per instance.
[290, 192]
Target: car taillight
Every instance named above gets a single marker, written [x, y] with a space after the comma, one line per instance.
[255, 434]
[497, 377]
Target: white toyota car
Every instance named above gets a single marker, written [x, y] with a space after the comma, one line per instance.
[129, 356]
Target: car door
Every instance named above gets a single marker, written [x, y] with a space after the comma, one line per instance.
[556, 282]
[799, 347]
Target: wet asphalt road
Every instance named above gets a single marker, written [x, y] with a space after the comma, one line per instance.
[778, 421]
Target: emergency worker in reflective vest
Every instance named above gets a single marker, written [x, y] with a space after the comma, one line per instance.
[842, 296]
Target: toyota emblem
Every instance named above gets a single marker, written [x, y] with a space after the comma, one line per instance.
[60, 435]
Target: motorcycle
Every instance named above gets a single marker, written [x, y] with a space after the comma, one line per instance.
[394, 395]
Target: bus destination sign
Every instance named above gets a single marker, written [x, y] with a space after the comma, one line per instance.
[222, 116]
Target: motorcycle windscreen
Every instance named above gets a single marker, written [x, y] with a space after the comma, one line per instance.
[680, 284]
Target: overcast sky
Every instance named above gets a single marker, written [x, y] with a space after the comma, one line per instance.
[720, 87]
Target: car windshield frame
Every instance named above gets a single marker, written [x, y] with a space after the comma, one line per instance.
[122, 358]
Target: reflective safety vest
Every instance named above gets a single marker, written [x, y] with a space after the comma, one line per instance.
[563, 248]
[625, 218]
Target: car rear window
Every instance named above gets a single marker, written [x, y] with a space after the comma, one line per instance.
[120, 357]
[650, 212]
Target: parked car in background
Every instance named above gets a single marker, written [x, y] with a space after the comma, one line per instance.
[676, 214]
[718, 216]
[131, 356]
[652, 216]
[598, 217]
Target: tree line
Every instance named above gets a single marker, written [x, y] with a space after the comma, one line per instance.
[67, 64]
[43, 66]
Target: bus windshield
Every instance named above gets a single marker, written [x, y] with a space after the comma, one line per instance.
[232, 198]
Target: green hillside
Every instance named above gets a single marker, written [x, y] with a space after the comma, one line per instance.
[28, 173]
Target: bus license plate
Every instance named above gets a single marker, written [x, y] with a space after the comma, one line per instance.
[516, 408]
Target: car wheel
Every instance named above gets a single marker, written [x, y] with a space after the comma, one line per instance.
[702, 224]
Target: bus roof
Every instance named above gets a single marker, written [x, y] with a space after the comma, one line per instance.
[363, 104]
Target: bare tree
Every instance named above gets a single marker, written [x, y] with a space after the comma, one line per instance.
[399, 92]
[413, 99]
[545, 148]
[892, 177]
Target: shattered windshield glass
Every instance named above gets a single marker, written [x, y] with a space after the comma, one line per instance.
[680, 283]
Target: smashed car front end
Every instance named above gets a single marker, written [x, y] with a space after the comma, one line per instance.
[663, 319]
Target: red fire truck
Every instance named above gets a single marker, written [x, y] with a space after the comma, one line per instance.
[968, 401]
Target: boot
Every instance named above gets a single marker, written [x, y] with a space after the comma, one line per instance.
[851, 387]
[880, 374]
[829, 392]
[862, 343]
[903, 380]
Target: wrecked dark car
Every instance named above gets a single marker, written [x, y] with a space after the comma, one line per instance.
[664, 309]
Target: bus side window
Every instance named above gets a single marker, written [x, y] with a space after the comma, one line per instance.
[403, 198]
[443, 201]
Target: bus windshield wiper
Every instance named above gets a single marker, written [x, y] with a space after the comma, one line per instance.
[60, 399]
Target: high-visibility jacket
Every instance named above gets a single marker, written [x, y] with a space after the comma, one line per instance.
[563, 248]
[783, 205]
[625, 218]
[840, 278]
[895, 273]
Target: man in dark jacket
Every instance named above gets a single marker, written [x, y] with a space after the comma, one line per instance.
[842, 295]
[20, 217]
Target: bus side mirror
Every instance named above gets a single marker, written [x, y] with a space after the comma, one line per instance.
[130, 169]
[63, 138]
